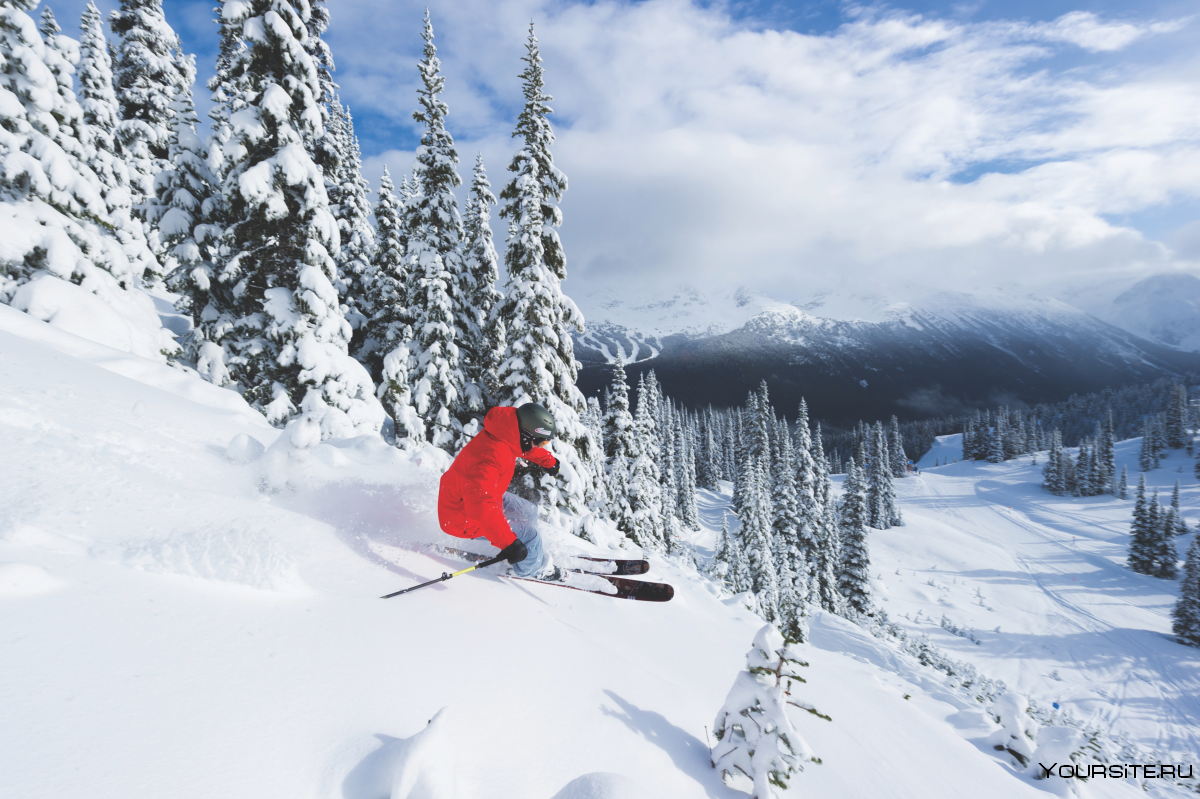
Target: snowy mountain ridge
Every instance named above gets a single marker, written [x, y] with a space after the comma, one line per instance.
[689, 313]
[871, 355]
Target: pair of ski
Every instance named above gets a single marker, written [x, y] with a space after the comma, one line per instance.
[603, 576]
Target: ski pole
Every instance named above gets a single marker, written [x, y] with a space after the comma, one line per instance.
[446, 576]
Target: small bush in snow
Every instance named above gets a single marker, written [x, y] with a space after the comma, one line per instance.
[758, 750]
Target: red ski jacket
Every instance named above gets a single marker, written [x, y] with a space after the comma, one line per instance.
[470, 501]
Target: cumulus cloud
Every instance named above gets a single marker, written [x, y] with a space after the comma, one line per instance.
[897, 148]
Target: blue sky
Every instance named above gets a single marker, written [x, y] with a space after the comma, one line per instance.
[794, 146]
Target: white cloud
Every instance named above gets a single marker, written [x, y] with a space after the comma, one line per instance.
[1086, 30]
[702, 150]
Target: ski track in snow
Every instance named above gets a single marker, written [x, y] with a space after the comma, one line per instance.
[1112, 627]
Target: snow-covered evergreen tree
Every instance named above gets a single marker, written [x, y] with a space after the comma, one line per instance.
[1123, 483]
[792, 569]
[827, 561]
[758, 749]
[618, 421]
[995, 453]
[539, 357]
[434, 260]
[668, 486]
[1142, 533]
[1054, 472]
[387, 335]
[1179, 526]
[645, 498]
[185, 212]
[484, 329]
[1185, 616]
[854, 581]
[899, 460]
[708, 463]
[287, 343]
[353, 213]
[1176, 428]
[390, 324]
[1165, 557]
[98, 101]
[785, 522]
[150, 69]
[881, 496]
[685, 462]
[807, 491]
[53, 212]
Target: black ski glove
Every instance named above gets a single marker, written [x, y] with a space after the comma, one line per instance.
[515, 552]
[553, 470]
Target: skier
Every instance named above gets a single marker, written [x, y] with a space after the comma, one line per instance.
[473, 501]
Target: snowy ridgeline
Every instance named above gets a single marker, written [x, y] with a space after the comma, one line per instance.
[185, 584]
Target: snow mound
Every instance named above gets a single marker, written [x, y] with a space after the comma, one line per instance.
[226, 553]
[24, 579]
[25, 535]
[600, 785]
[425, 764]
[244, 449]
[123, 320]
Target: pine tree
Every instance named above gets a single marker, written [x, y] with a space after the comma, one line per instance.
[618, 421]
[435, 262]
[539, 356]
[827, 561]
[98, 101]
[689, 514]
[669, 487]
[390, 324]
[807, 491]
[1123, 483]
[620, 510]
[1180, 526]
[719, 568]
[758, 750]
[484, 343]
[791, 570]
[1106, 454]
[881, 497]
[1176, 432]
[899, 460]
[1083, 484]
[1052, 470]
[756, 539]
[49, 191]
[185, 211]
[708, 464]
[739, 565]
[854, 581]
[1142, 534]
[353, 213]
[149, 71]
[387, 335]
[1165, 557]
[645, 498]
[287, 343]
[1186, 613]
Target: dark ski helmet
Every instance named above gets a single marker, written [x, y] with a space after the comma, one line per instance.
[536, 423]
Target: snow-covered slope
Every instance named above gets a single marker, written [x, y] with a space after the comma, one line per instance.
[187, 615]
[1163, 308]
